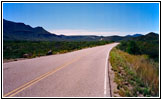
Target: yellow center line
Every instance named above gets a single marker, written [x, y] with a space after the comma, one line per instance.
[28, 84]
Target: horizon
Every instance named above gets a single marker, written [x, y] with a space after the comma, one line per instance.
[81, 34]
[100, 19]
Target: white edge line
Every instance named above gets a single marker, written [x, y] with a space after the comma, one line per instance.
[105, 81]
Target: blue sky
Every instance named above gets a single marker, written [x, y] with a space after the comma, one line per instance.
[87, 18]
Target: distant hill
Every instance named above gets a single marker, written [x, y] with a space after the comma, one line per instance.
[134, 35]
[148, 37]
[117, 38]
[21, 31]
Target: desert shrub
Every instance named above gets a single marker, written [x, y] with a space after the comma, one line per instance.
[139, 72]
[16, 49]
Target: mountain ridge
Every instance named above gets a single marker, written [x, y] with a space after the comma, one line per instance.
[134, 35]
[21, 31]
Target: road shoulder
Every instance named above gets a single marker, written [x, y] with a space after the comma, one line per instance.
[113, 85]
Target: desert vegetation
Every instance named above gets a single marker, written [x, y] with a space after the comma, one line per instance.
[135, 75]
[148, 45]
[30, 49]
[136, 66]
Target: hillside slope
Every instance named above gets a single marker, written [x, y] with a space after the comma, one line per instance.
[21, 31]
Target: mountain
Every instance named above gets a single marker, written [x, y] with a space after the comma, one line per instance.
[134, 35]
[150, 37]
[137, 35]
[21, 31]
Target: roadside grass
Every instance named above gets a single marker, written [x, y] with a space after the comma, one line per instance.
[135, 75]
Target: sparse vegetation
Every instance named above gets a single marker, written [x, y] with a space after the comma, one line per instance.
[135, 75]
[17, 49]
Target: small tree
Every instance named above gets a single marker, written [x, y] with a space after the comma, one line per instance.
[132, 48]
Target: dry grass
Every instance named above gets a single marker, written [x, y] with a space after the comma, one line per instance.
[136, 75]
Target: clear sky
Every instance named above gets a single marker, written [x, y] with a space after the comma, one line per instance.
[87, 18]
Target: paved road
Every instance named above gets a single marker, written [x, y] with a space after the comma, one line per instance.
[81, 73]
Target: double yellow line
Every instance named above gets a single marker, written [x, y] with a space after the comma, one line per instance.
[28, 84]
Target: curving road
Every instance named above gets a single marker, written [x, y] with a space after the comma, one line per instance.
[81, 73]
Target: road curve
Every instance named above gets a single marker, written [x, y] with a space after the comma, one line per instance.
[81, 73]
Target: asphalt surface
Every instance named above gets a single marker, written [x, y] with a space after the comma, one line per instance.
[81, 73]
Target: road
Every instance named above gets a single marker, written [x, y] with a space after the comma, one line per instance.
[81, 73]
